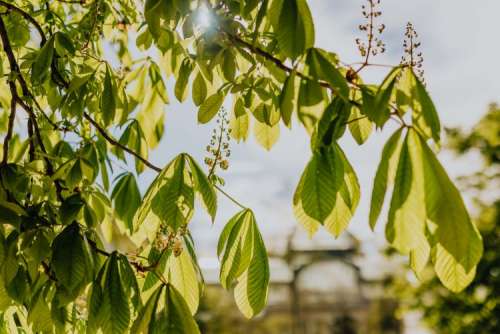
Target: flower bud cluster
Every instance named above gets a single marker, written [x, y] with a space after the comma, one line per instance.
[167, 239]
[218, 150]
[412, 56]
[373, 44]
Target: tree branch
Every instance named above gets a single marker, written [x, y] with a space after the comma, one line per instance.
[14, 68]
[237, 40]
[114, 142]
[10, 130]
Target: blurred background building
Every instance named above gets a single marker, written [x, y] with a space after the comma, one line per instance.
[317, 287]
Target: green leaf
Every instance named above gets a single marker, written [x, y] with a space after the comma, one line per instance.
[267, 114]
[311, 225]
[239, 121]
[108, 97]
[385, 174]
[157, 81]
[323, 177]
[405, 228]
[331, 125]
[426, 116]
[155, 11]
[169, 199]
[183, 274]
[10, 213]
[199, 90]
[116, 299]
[229, 66]
[293, 26]
[70, 208]
[43, 61]
[312, 102]
[126, 198]
[381, 112]
[38, 310]
[328, 173]
[203, 187]
[146, 316]
[288, 99]
[244, 259]
[71, 259]
[360, 126]
[151, 118]
[18, 288]
[320, 66]
[210, 107]
[458, 245]
[63, 44]
[181, 84]
[133, 138]
[266, 135]
[178, 318]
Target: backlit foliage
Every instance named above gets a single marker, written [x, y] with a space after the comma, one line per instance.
[81, 249]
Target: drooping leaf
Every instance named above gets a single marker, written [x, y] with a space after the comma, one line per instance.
[239, 122]
[71, 259]
[244, 259]
[108, 97]
[312, 102]
[384, 175]
[458, 244]
[183, 274]
[151, 118]
[381, 111]
[63, 44]
[328, 173]
[110, 300]
[199, 91]
[288, 99]
[126, 198]
[426, 116]
[42, 62]
[181, 84]
[405, 228]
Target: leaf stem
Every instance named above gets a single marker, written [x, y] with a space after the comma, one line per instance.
[223, 192]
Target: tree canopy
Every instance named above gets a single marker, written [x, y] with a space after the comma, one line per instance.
[75, 101]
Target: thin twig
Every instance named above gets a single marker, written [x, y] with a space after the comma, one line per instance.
[355, 120]
[114, 142]
[236, 39]
[231, 198]
[74, 2]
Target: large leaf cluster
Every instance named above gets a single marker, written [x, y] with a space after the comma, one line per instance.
[82, 249]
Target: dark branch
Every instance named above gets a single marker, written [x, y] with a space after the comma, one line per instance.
[10, 130]
[114, 142]
[14, 68]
